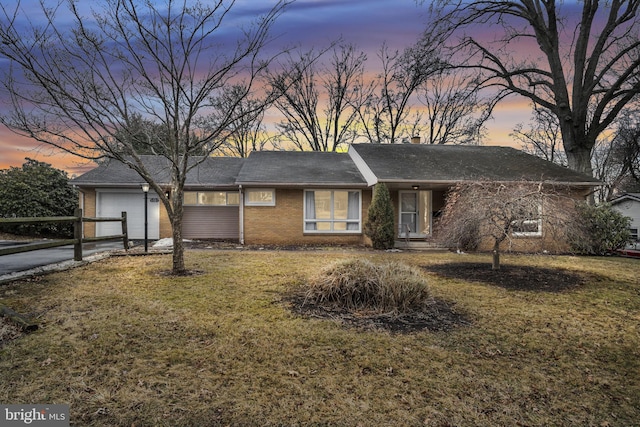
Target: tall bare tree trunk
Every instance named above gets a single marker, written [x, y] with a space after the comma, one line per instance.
[495, 265]
[579, 159]
[178, 245]
[178, 250]
[586, 70]
[578, 148]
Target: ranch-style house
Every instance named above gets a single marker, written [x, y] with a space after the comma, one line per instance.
[313, 198]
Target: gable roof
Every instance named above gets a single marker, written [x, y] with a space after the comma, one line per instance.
[626, 196]
[300, 169]
[213, 171]
[364, 165]
[426, 163]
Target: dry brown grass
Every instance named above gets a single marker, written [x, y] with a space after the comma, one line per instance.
[8, 331]
[10, 236]
[125, 345]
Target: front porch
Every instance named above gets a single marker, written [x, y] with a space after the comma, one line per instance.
[415, 211]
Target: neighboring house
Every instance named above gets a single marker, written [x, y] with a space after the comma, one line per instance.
[628, 204]
[298, 198]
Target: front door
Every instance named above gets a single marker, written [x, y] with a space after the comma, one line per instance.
[414, 214]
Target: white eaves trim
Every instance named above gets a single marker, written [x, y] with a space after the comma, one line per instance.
[362, 166]
[626, 196]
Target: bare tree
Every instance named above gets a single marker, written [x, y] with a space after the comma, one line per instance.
[500, 212]
[584, 66]
[542, 138]
[246, 132]
[455, 112]
[606, 168]
[617, 158]
[143, 135]
[320, 104]
[626, 150]
[75, 81]
[385, 114]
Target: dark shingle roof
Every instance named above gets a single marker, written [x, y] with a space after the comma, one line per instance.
[451, 163]
[213, 171]
[220, 171]
[295, 168]
[408, 163]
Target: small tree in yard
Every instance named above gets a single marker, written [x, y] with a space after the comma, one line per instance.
[37, 190]
[490, 210]
[379, 226]
[123, 77]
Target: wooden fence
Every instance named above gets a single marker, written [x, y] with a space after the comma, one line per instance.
[77, 240]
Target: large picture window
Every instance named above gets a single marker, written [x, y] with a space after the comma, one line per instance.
[332, 211]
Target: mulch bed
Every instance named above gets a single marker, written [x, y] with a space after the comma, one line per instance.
[517, 278]
[442, 316]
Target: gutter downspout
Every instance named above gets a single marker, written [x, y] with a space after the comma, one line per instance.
[241, 215]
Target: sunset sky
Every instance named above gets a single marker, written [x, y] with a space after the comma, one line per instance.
[310, 23]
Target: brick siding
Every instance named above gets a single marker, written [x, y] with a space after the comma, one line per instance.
[283, 224]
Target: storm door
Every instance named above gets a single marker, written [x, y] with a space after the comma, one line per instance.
[414, 214]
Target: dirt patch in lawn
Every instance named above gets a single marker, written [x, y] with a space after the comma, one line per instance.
[442, 316]
[8, 331]
[512, 277]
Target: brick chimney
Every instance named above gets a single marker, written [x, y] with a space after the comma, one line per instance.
[415, 140]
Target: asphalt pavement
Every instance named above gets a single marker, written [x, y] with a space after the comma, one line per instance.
[13, 266]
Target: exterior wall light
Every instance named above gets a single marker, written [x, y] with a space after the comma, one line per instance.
[145, 189]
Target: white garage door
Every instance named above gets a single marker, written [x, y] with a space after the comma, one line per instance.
[113, 203]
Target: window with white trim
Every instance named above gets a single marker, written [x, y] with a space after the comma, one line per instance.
[529, 224]
[260, 197]
[332, 211]
[211, 198]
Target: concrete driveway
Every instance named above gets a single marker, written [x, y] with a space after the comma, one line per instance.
[25, 263]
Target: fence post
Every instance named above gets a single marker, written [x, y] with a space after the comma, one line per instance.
[77, 235]
[125, 238]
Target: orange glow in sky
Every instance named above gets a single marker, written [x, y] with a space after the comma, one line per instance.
[311, 24]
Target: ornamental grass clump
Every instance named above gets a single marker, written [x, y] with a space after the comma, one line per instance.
[359, 284]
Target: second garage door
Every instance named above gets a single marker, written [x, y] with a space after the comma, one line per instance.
[211, 222]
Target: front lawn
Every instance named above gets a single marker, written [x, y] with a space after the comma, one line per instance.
[126, 345]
